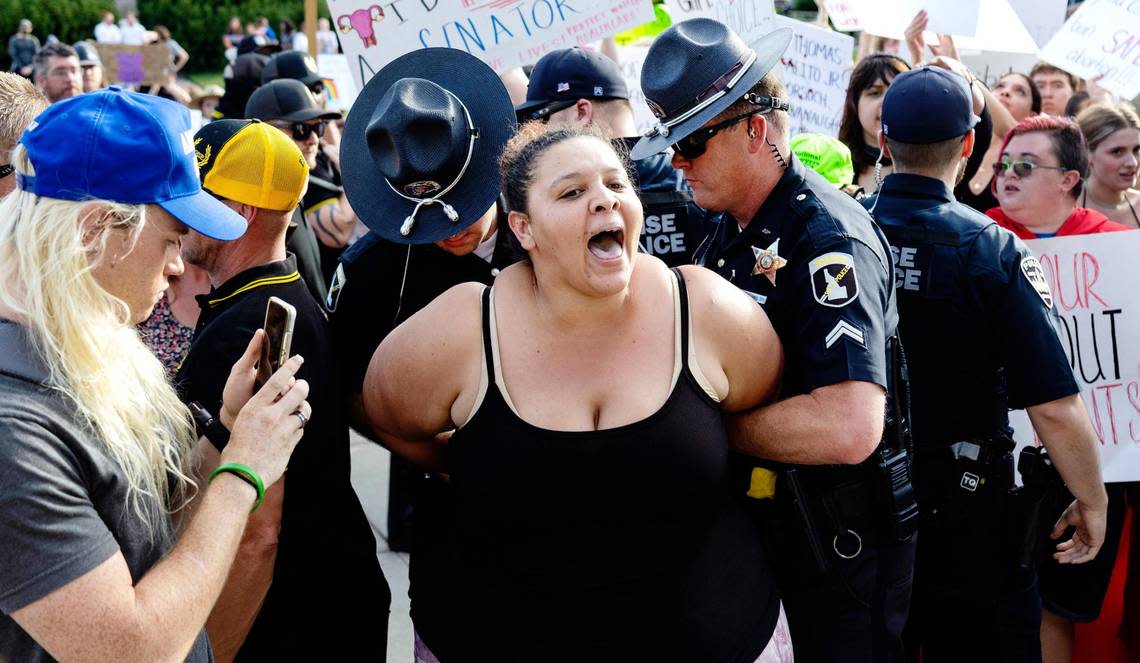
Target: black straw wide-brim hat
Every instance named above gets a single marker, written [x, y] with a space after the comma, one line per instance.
[694, 71]
[420, 149]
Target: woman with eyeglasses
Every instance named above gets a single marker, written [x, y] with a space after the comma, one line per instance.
[1113, 135]
[1038, 179]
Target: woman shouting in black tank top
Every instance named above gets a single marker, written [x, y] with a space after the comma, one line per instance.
[586, 389]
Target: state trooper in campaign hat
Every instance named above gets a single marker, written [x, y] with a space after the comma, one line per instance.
[420, 159]
[811, 467]
[978, 320]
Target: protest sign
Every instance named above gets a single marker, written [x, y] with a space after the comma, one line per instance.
[1101, 37]
[816, 68]
[751, 19]
[1003, 44]
[1042, 18]
[631, 59]
[890, 18]
[502, 33]
[340, 89]
[1093, 285]
[135, 65]
[844, 14]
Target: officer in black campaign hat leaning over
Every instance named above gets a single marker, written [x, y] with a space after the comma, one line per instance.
[420, 167]
[976, 313]
[575, 87]
[839, 535]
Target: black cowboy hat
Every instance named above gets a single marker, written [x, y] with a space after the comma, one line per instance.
[694, 71]
[420, 149]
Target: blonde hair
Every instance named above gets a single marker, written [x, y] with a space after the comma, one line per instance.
[95, 357]
[1102, 120]
[20, 103]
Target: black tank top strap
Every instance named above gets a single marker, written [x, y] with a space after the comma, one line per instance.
[683, 295]
[488, 348]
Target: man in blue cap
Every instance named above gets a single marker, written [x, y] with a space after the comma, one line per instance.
[576, 87]
[977, 316]
[824, 477]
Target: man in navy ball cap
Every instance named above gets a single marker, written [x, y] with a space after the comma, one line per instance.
[977, 316]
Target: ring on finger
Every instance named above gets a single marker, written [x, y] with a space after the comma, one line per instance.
[301, 415]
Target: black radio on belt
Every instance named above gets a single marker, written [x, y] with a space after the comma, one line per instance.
[893, 456]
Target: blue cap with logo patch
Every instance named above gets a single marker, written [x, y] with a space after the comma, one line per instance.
[124, 147]
[928, 105]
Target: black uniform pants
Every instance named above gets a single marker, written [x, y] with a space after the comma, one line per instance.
[972, 601]
[856, 610]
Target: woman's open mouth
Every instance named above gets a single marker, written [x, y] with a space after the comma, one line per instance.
[608, 244]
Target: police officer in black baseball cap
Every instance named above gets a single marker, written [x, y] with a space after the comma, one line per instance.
[978, 319]
[824, 477]
[572, 86]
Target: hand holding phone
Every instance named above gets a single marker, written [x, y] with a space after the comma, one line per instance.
[280, 317]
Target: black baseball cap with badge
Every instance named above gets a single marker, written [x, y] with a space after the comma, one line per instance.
[564, 76]
[297, 65]
[287, 100]
[695, 70]
[420, 149]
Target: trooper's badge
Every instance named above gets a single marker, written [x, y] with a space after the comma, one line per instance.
[833, 280]
[1036, 277]
[335, 287]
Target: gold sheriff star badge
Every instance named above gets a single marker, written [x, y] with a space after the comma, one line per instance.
[768, 261]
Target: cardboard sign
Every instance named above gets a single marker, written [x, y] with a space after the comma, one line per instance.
[135, 65]
[1093, 284]
[502, 33]
[751, 19]
[340, 89]
[889, 18]
[1102, 37]
[816, 68]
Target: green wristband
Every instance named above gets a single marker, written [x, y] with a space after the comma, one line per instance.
[246, 474]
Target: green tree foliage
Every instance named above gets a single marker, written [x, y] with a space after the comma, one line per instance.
[196, 24]
[70, 20]
[199, 24]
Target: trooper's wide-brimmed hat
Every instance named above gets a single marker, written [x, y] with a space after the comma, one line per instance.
[694, 71]
[420, 149]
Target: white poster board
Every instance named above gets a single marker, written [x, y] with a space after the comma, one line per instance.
[502, 33]
[339, 84]
[1094, 286]
[1101, 37]
[751, 19]
[844, 14]
[1042, 18]
[889, 18]
[631, 59]
[816, 68]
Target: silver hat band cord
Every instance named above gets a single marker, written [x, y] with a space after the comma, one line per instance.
[410, 220]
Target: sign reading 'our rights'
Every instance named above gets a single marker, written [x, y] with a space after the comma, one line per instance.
[502, 33]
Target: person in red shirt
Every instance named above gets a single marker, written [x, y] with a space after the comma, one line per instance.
[1039, 177]
[1037, 181]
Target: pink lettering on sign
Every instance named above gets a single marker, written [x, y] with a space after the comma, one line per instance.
[1071, 278]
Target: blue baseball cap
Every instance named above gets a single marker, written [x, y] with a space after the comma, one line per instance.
[124, 147]
[928, 105]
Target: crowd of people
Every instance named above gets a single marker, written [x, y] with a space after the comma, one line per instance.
[713, 392]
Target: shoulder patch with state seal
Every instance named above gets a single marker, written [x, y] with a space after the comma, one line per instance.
[1035, 274]
[833, 281]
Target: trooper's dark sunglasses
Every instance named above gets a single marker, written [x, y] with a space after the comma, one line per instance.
[302, 131]
[1022, 169]
[695, 144]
